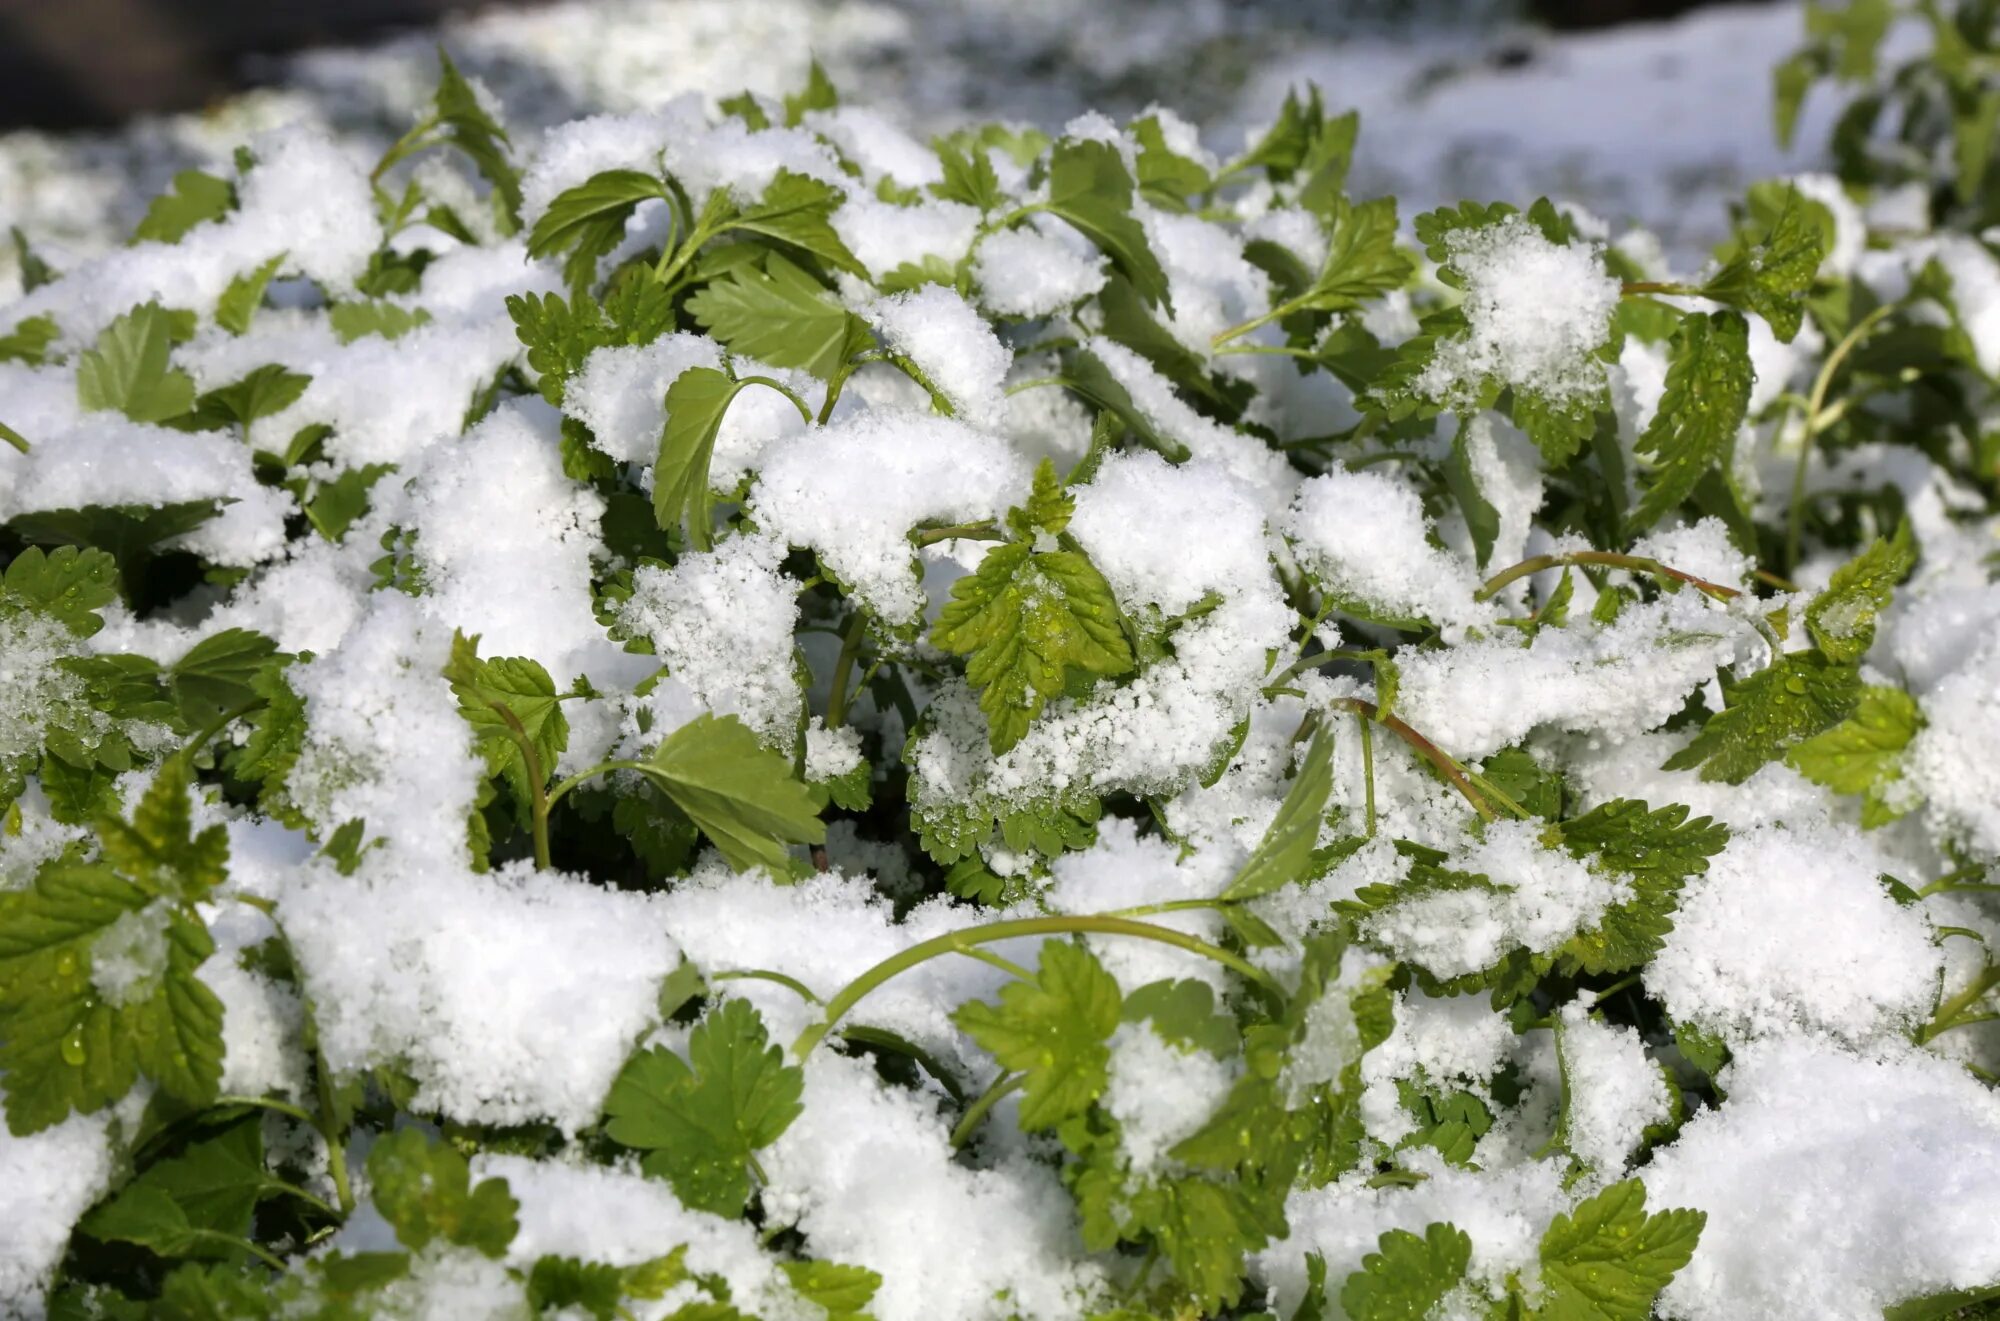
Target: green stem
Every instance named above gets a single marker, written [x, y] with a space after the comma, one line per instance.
[839, 381]
[293, 1190]
[591, 772]
[766, 975]
[407, 145]
[1637, 288]
[985, 530]
[1169, 906]
[837, 700]
[256, 1250]
[890, 1041]
[805, 411]
[1447, 765]
[1003, 1085]
[939, 403]
[1608, 559]
[1316, 660]
[1283, 309]
[1815, 403]
[1037, 383]
[538, 801]
[1006, 965]
[1948, 1012]
[1368, 769]
[955, 942]
[285, 1108]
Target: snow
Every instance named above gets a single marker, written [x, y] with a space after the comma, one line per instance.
[952, 345]
[1614, 1091]
[1028, 273]
[46, 1182]
[1160, 1093]
[1365, 534]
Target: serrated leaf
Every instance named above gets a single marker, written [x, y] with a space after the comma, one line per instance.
[1023, 619]
[70, 584]
[969, 176]
[127, 370]
[817, 94]
[29, 340]
[1281, 857]
[559, 336]
[358, 320]
[1361, 257]
[267, 391]
[1841, 619]
[523, 688]
[1863, 754]
[1607, 1260]
[701, 1121]
[1798, 696]
[475, 132]
[1772, 278]
[425, 1191]
[1055, 1029]
[197, 1203]
[34, 271]
[1657, 851]
[195, 198]
[844, 1291]
[1694, 428]
[1166, 178]
[781, 316]
[218, 674]
[587, 221]
[796, 209]
[1090, 188]
[1406, 1276]
[158, 848]
[742, 795]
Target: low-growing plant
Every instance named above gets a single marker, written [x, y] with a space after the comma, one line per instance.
[741, 716]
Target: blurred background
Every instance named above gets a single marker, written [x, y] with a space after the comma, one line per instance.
[1647, 111]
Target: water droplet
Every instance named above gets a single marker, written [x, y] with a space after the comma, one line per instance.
[66, 964]
[72, 1048]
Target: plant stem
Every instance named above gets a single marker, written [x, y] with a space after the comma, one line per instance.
[837, 700]
[984, 530]
[1947, 1015]
[839, 381]
[1036, 384]
[285, 1108]
[538, 802]
[1002, 1086]
[1004, 964]
[1812, 426]
[1635, 288]
[956, 942]
[790, 983]
[1368, 769]
[591, 772]
[1446, 764]
[805, 411]
[1609, 559]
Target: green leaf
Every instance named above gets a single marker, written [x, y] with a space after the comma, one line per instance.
[218, 674]
[696, 402]
[1406, 1276]
[158, 849]
[780, 315]
[588, 221]
[559, 336]
[194, 199]
[1842, 618]
[1607, 1260]
[742, 795]
[1362, 261]
[1772, 278]
[29, 340]
[700, 1121]
[269, 390]
[197, 1203]
[1863, 754]
[1026, 617]
[844, 1291]
[1800, 695]
[1954, 1305]
[335, 505]
[1055, 1029]
[969, 176]
[1089, 188]
[1281, 857]
[796, 209]
[1184, 1013]
[358, 320]
[476, 133]
[523, 688]
[1482, 519]
[1166, 178]
[817, 94]
[1694, 429]
[128, 370]
[565, 1282]
[239, 302]
[1657, 851]
[425, 1191]
[70, 584]
[34, 271]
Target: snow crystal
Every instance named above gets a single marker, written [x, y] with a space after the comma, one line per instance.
[1166, 536]
[47, 1180]
[852, 492]
[1790, 931]
[128, 957]
[1365, 534]
[1025, 273]
[1614, 1091]
[1160, 1093]
[621, 392]
[1537, 312]
[951, 344]
[884, 236]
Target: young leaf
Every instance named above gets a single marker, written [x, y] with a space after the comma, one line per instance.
[696, 402]
[1656, 851]
[68, 584]
[29, 340]
[1281, 856]
[195, 1204]
[558, 335]
[527, 693]
[1772, 278]
[1841, 619]
[1089, 188]
[1361, 257]
[244, 295]
[358, 320]
[1797, 697]
[969, 176]
[158, 848]
[701, 1121]
[425, 1191]
[817, 94]
[1024, 619]
[588, 221]
[474, 131]
[1864, 753]
[1694, 428]
[267, 391]
[844, 1291]
[218, 674]
[1055, 1029]
[795, 209]
[1184, 1013]
[128, 370]
[781, 316]
[1607, 1260]
[742, 795]
[194, 199]
[1406, 1276]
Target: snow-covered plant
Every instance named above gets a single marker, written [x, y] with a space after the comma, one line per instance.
[732, 715]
